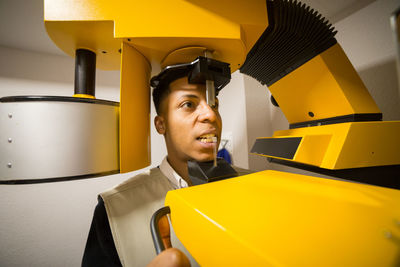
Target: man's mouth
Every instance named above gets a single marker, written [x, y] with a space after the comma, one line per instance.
[208, 138]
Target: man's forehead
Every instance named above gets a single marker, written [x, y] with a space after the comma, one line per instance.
[182, 84]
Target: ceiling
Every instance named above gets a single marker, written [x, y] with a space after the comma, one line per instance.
[22, 21]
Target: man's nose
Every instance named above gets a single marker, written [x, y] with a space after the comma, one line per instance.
[207, 113]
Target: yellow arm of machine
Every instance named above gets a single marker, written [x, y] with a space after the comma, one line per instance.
[334, 122]
[133, 35]
[334, 117]
[336, 128]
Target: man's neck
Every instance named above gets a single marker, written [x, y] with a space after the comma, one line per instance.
[181, 168]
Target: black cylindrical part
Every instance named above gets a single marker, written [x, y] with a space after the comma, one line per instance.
[85, 72]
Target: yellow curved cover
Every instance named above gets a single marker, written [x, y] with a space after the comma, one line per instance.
[156, 27]
[273, 218]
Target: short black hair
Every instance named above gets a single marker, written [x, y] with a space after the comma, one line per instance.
[159, 94]
[161, 82]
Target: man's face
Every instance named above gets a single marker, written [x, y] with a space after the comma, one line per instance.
[186, 119]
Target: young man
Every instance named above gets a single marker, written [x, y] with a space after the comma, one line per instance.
[120, 231]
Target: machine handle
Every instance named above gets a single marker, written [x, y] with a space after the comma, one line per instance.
[155, 231]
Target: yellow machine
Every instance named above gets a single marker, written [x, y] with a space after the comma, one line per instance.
[132, 36]
[273, 218]
[268, 218]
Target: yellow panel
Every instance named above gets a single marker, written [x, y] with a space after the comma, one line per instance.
[327, 85]
[347, 145]
[134, 121]
[312, 149]
[273, 218]
[371, 144]
[68, 10]
[158, 27]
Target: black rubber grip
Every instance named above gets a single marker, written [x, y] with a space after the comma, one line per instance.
[155, 232]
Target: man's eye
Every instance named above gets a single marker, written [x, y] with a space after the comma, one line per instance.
[187, 104]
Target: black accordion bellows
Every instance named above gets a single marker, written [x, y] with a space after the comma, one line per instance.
[295, 34]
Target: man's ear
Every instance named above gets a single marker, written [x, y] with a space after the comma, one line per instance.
[159, 123]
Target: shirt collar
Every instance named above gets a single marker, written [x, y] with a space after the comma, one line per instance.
[175, 179]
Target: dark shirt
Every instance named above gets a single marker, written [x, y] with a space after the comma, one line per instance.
[100, 248]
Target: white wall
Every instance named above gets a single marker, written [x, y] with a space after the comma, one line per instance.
[233, 113]
[259, 124]
[367, 39]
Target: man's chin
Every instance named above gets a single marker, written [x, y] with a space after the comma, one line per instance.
[203, 158]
